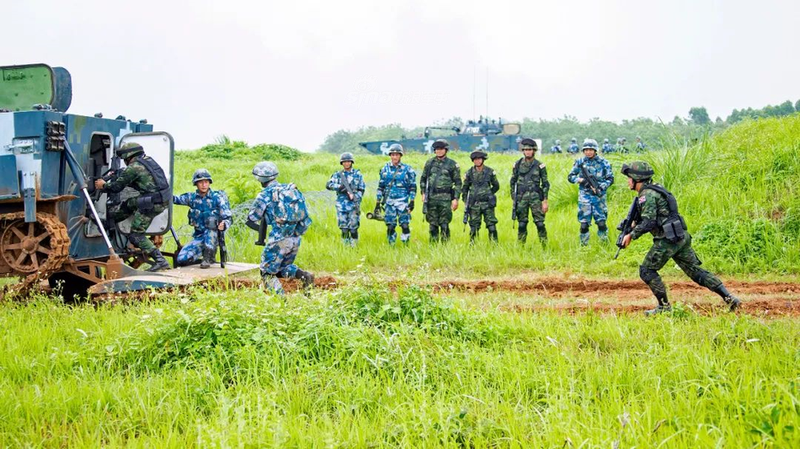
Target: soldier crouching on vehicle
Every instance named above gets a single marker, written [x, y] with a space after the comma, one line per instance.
[349, 187]
[209, 213]
[480, 187]
[283, 208]
[658, 215]
[143, 174]
[396, 191]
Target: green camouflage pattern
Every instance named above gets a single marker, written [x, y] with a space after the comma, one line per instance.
[479, 189]
[654, 208]
[135, 176]
[526, 184]
[683, 255]
[441, 179]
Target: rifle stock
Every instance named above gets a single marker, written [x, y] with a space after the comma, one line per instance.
[626, 226]
[587, 177]
[223, 248]
[262, 232]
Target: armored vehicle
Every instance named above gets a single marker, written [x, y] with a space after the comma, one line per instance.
[484, 134]
[53, 225]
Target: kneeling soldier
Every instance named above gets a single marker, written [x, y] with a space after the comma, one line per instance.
[480, 187]
[209, 213]
[658, 215]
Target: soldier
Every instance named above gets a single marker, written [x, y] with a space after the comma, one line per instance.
[592, 190]
[441, 181]
[480, 187]
[397, 189]
[529, 190]
[607, 147]
[209, 213]
[556, 148]
[283, 208]
[621, 145]
[349, 187]
[640, 146]
[573, 146]
[143, 174]
[658, 215]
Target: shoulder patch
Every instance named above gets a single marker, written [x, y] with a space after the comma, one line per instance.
[642, 199]
[541, 165]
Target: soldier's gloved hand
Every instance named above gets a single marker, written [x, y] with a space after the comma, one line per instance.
[411, 206]
[342, 189]
[377, 210]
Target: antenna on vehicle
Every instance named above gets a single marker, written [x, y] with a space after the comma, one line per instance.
[487, 92]
[474, 81]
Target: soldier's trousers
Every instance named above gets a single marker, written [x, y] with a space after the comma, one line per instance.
[482, 210]
[532, 206]
[592, 207]
[140, 223]
[349, 222]
[394, 215]
[440, 214]
[683, 254]
[193, 251]
[277, 261]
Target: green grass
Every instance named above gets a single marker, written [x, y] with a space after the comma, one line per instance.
[362, 367]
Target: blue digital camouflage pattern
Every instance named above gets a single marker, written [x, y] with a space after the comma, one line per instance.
[591, 206]
[203, 210]
[277, 230]
[397, 186]
[608, 148]
[555, 149]
[277, 261]
[348, 211]
[573, 148]
[640, 147]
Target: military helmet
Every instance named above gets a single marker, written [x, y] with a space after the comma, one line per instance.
[201, 174]
[527, 144]
[440, 143]
[396, 148]
[574, 140]
[129, 149]
[638, 171]
[558, 142]
[589, 144]
[605, 140]
[346, 157]
[478, 154]
[265, 171]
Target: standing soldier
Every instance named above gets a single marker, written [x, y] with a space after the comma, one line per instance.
[143, 174]
[573, 146]
[556, 148]
[640, 146]
[209, 213]
[397, 189]
[529, 189]
[594, 176]
[607, 147]
[658, 215]
[282, 208]
[441, 184]
[480, 187]
[349, 187]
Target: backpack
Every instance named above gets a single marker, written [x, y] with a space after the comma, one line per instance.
[288, 205]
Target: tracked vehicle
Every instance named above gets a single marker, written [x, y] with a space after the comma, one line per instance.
[53, 225]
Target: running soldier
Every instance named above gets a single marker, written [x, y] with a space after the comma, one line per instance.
[441, 184]
[349, 187]
[529, 190]
[594, 176]
[480, 187]
[397, 189]
[210, 214]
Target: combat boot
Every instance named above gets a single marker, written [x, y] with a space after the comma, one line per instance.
[733, 302]
[305, 277]
[160, 262]
[208, 258]
[662, 307]
[493, 234]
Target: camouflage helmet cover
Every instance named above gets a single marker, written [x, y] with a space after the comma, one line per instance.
[440, 143]
[396, 148]
[129, 149]
[558, 142]
[589, 144]
[201, 174]
[638, 171]
[265, 171]
[574, 140]
[346, 157]
[605, 140]
[478, 154]
[528, 144]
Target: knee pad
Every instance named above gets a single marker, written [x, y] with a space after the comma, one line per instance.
[434, 229]
[491, 228]
[345, 233]
[647, 274]
[136, 239]
[523, 226]
[354, 233]
[584, 228]
[540, 225]
[601, 226]
[406, 229]
[389, 230]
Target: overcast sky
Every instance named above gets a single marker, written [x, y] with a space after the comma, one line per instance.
[295, 71]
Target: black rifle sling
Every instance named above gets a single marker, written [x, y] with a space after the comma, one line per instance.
[391, 183]
[526, 177]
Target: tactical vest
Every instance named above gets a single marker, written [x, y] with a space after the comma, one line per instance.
[526, 182]
[147, 201]
[433, 175]
[673, 226]
[484, 184]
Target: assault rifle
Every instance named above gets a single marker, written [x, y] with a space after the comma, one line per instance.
[213, 223]
[514, 204]
[425, 200]
[346, 185]
[466, 209]
[589, 179]
[627, 225]
[262, 232]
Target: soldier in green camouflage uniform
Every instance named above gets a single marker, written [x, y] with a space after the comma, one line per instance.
[441, 184]
[140, 174]
[480, 187]
[529, 189]
[658, 215]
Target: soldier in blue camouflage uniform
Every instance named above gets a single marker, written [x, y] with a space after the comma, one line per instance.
[573, 146]
[348, 205]
[556, 148]
[441, 188]
[529, 190]
[659, 215]
[209, 213]
[397, 189]
[592, 204]
[144, 175]
[621, 148]
[640, 146]
[607, 147]
[480, 187]
[277, 259]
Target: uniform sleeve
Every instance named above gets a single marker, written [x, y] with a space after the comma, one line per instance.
[467, 185]
[259, 208]
[412, 184]
[495, 182]
[608, 176]
[225, 212]
[544, 180]
[382, 184]
[333, 183]
[572, 177]
[128, 176]
[514, 176]
[456, 178]
[648, 215]
[423, 181]
[358, 187]
[182, 200]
